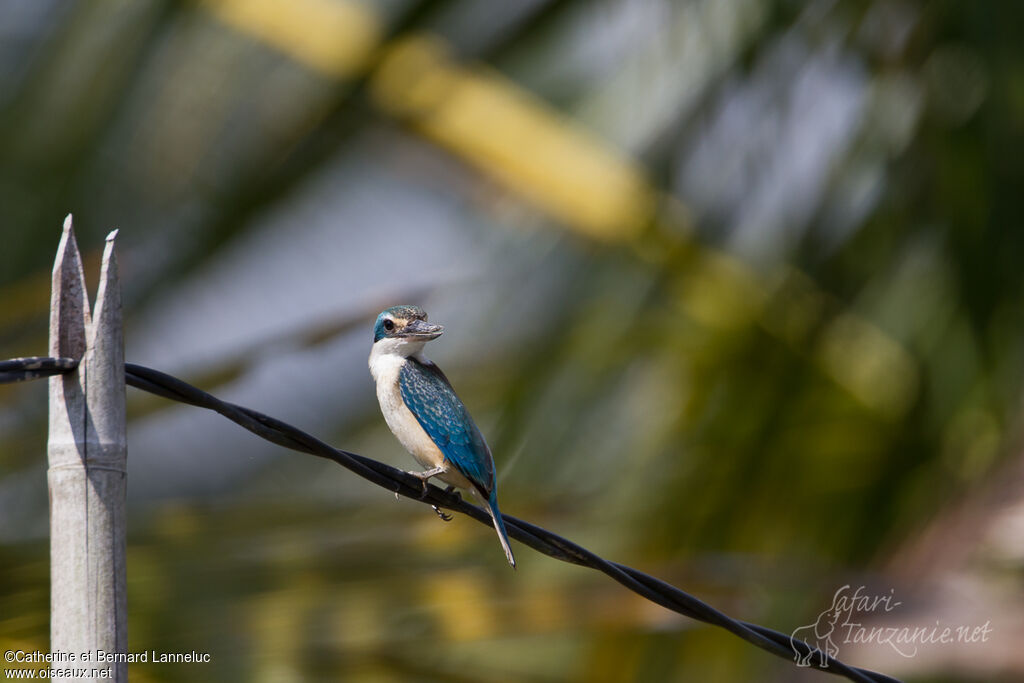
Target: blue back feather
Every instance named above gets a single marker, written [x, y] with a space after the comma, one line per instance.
[442, 415]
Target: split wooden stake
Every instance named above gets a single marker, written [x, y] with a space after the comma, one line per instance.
[87, 466]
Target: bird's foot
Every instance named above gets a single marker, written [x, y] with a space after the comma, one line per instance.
[445, 517]
[426, 475]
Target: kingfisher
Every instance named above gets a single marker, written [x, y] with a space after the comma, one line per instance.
[423, 411]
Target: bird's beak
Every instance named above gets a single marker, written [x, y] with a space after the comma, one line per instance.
[420, 330]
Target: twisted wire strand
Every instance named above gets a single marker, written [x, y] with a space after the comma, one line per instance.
[405, 484]
[34, 367]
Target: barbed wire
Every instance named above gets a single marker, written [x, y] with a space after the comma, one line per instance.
[405, 484]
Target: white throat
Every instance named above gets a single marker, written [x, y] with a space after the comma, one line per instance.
[389, 354]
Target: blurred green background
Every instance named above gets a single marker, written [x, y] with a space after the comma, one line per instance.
[733, 288]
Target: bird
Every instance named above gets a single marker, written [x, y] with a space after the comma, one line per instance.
[426, 415]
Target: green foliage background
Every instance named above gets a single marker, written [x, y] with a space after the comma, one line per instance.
[759, 425]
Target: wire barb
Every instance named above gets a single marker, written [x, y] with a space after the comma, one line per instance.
[409, 485]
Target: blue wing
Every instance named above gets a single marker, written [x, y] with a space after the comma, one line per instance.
[442, 415]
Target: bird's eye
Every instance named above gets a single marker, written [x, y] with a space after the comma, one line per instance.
[389, 325]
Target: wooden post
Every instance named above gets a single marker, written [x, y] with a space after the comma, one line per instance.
[87, 466]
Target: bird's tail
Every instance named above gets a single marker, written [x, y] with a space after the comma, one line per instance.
[499, 526]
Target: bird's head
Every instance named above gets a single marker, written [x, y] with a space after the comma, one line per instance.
[404, 329]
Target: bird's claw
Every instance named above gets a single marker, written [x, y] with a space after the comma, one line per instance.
[424, 477]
